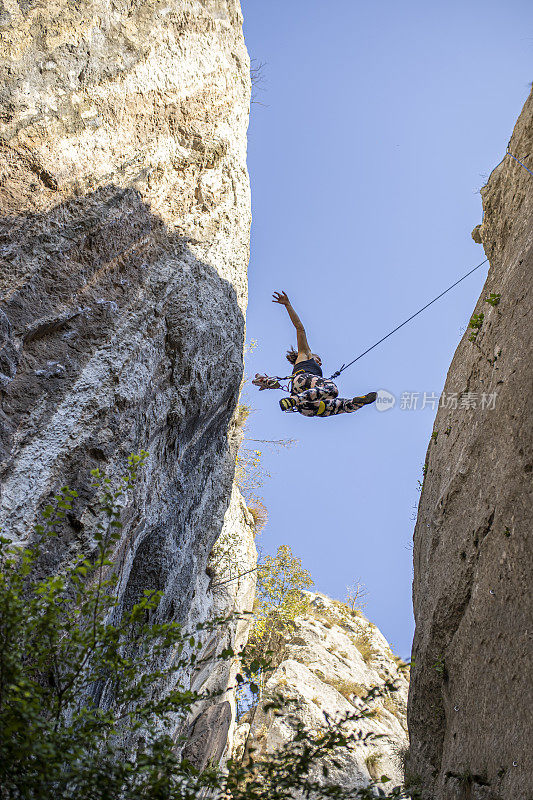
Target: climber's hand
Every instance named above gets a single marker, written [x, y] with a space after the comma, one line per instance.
[281, 298]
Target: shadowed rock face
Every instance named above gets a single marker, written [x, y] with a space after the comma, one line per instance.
[471, 692]
[124, 229]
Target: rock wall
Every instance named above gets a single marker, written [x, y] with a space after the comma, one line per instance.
[325, 664]
[231, 591]
[124, 233]
[471, 692]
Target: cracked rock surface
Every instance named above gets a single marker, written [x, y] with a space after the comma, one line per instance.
[325, 665]
[471, 691]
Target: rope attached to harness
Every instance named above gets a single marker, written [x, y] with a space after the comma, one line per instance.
[345, 366]
[274, 380]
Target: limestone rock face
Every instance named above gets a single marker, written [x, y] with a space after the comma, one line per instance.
[471, 690]
[325, 665]
[124, 234]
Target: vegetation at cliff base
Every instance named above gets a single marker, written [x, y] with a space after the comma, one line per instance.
[82, 713]
[90, 690]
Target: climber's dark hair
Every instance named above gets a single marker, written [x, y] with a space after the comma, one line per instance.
[291, 355]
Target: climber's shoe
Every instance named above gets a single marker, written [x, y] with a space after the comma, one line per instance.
[287, 403]
[264, 382]
[366, 399]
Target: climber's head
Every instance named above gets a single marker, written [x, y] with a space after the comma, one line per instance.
[292, 355]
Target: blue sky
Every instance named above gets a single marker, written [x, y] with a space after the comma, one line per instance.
[378, 124]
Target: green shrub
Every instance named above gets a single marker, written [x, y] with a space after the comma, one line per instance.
[372, 759]
[242, 413]
[476, 322]
[439, 666]
[61, 655]
[372, 764]
[400, 663]
[325, 615]
[390, 705]
[259, 512]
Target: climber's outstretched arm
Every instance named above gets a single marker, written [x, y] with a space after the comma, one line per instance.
[301, 338]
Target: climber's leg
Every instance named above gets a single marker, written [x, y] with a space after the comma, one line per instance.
[308, 390]
[363, 400]
[313, 396]
[329, 407]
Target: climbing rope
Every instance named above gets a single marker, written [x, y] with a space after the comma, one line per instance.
[345, 366]
[508, 153]
[240, 575]
[236, 578]
[397, 328]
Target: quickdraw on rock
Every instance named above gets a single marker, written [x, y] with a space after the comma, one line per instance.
[271, 382]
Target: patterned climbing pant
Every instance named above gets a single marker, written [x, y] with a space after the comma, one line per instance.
[317, 397]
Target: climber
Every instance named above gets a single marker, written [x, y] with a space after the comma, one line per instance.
[311, 394]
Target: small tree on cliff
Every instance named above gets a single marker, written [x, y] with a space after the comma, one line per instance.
[355, 595]
[279, 600]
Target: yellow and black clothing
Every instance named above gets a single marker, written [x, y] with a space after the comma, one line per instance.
[314, 396]
[309, 366]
